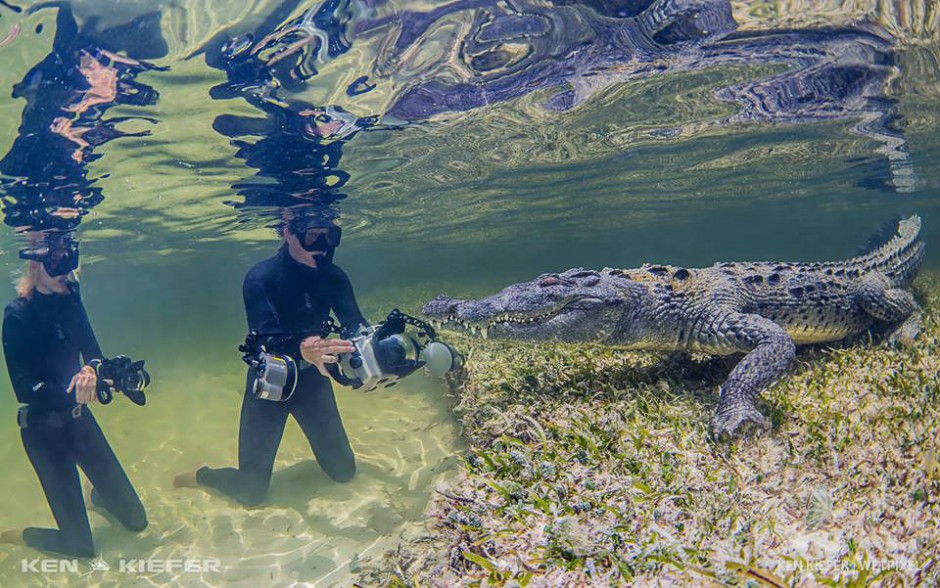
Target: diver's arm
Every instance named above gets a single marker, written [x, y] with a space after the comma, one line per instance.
[87, 342]
[344, 302]
[28, 386]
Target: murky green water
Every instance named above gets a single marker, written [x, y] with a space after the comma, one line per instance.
[649, 168]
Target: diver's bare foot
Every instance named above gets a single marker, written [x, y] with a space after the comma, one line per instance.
[12, 537]
[186, 480]
[89, 503]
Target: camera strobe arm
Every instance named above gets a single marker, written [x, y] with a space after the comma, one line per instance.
[253, 344]
[427, 329]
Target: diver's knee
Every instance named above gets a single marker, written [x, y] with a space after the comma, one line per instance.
[137, 521]
[81, 547]
[251, 500]
[343, 472]
[253, 496]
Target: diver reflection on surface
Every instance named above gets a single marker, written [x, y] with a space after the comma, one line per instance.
[295, 146]
[292, 292]
[50, 351]
[45, 181]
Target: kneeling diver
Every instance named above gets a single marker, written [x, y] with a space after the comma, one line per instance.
[292, 292]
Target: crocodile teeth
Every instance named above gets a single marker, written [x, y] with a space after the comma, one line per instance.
[506, 318]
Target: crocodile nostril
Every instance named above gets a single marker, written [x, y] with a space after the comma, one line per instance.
[549, 281]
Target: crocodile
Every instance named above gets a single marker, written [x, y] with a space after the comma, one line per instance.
[761, 309]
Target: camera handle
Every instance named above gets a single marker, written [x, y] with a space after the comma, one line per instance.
[102, 390]
[336, 374]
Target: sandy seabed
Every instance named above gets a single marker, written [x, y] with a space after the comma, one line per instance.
[312, 531]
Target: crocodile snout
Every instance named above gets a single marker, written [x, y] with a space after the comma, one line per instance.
[440, 306]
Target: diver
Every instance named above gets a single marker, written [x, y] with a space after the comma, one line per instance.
[49, 343]
[292, 292]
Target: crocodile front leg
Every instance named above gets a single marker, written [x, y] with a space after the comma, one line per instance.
[770, 351]
[893, 306]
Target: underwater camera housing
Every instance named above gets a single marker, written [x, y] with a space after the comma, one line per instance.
[123, 374]
[386, 352]
[275, 374]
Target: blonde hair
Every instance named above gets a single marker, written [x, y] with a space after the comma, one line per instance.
[26, 282]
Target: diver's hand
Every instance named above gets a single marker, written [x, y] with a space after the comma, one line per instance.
[319, 351]
[85, 385]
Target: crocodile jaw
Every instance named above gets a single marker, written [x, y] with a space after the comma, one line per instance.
[576, 306]
[563, 324]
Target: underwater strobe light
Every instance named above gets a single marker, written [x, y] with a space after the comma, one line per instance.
[275, 374]
[276, 377]
[440, 358]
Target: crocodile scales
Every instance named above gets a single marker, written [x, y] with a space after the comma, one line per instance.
[761, 309]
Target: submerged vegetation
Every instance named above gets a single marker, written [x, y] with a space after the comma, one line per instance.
[593, 466]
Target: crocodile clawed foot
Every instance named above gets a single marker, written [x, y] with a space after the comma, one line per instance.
[903, 336]
[739, 422]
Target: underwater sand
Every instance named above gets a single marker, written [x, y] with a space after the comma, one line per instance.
[307, 532]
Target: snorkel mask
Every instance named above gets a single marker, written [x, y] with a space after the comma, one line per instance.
[317, 234]
[58, 254]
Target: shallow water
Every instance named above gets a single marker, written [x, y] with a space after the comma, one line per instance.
[595, 147]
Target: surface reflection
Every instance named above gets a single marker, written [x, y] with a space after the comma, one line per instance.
[573, 50]
[295, 146]
[46, 183]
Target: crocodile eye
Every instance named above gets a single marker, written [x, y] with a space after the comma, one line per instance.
[549, 281]
[590, 281]
[583, 277]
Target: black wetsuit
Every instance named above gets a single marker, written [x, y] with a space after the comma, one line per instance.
[46, 338]
[282, 295]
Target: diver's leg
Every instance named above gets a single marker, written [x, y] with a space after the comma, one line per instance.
[48, 450]
[259, 435]
[314, 407]
[112, 490]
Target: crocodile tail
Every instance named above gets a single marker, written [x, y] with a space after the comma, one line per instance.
[901, 256]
